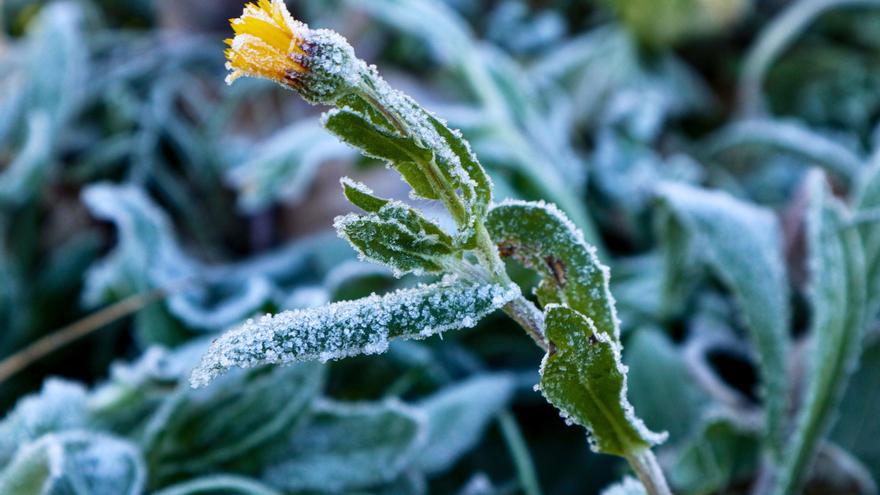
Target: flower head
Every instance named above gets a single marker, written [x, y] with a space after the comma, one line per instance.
[271, 44]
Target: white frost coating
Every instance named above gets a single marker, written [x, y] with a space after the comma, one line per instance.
[95, 463]
[629, 486]
[348, 328]
[564, 240]
[59, 406]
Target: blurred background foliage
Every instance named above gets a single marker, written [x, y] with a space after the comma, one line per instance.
[127, 166]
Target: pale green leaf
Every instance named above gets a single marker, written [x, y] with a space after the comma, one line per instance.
[658, 376]
[283, 166]
[837, 292]
[348, 447]
[867, 203]
[75, 463]
[240, 414]
[741, 243]
[59, 406]
[457, 417]
[860, 409]
[222, 483]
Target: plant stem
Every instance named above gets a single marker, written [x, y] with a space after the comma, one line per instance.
[648, 470]
[61, 337]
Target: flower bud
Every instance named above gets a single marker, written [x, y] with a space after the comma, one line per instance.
[319, 64]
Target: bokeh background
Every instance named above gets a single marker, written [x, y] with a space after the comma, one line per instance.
[129, 172]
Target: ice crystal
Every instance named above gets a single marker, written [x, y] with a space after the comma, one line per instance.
[348, 328]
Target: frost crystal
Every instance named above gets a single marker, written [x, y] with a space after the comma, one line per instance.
[348, 328]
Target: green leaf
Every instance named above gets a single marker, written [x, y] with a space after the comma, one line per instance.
[659, 377]
[457, 417]
[59, 406]
[586, 380]
[397, 236]
[741, 243]
[837, 288]
[75, 462]
[789, 137]
[479, 200]
[541, 237]
[348, 447]
[348, 328]
[241, 413]
[867, 202]
[219, 483]
[723, 451]
[359, 105]
[283, 166]
[361, 196]
[860, 409]
[403, 153]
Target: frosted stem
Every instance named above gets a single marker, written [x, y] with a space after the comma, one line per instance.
[648, 470]
[530, 318]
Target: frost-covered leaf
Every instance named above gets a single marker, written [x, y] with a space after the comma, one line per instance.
[860, 409]
[724, 450]
[240, 414]
[361, 196]
[357, 130]
[146, 254]
[658, 376]
[76, 463]
[348, 447]
[342, 329]
[222, 483]
[283, 166]
[837, 290]
[789, 137]
[399, 237]
[664, 88]
[867, 202]
[434, 160]
[24, 174]
[629, 486]
[59, 406]
[436, 23]
[542, 238]
[585, 379]
[134, 391]
[458, 416]
[741, 243]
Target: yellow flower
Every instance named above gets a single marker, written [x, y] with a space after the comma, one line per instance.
[268, 43]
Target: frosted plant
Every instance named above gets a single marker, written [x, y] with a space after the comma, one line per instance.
[581, 374]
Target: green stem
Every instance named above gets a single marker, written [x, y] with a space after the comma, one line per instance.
[648, 470]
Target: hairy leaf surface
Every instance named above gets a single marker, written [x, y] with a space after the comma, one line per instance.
[586, 380]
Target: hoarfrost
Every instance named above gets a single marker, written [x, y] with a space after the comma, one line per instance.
[348, 328]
